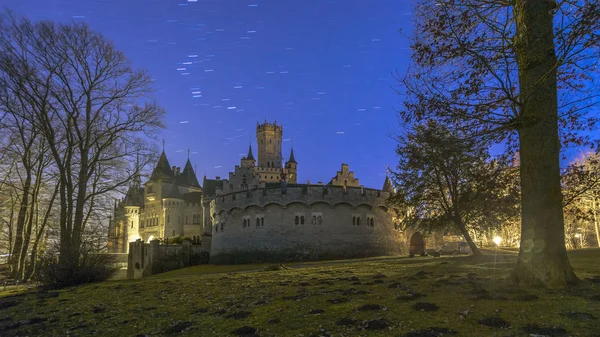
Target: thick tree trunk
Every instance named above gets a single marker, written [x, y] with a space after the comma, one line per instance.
[543, 257]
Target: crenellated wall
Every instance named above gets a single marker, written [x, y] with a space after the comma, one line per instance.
[331, 227]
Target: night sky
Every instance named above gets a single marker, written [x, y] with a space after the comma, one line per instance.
[323, 69]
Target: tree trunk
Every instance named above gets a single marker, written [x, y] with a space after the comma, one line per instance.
[543, 257]
[21, 218]
[596, 224]
[463, 229]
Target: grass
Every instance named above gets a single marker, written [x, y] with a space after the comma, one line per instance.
[370, 297]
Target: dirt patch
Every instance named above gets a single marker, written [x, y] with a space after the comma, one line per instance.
[425, 306]
[534, 329]
[495, 322]
[376, 324]
[338, 300]
[410, 297]
[347, 322]
[526, 298]
[179, 327]
[370, 307]
[239, 315]
[579, 316]
[245, 331]
[431, 332]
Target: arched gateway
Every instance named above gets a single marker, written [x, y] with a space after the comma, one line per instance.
[417, 244]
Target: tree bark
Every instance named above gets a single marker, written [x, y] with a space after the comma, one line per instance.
[543, 257]
[463, 229]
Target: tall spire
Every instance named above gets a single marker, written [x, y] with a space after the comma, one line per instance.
[163, 141]
[292, 159]
[163, 168]
[188, 153]
[250, 156]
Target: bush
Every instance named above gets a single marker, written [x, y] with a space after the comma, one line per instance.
[92, 267]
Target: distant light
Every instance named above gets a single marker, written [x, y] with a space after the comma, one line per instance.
[179, 151]
[194, 55]
[219, 166]
[183, 122]
[78, 16]
[237, 87]
[252, 5]
[578, 235]
[362, 109]
[208, 70]
[340, 132]
[187, 62]
[181, 68]
[497, 240]
[196, 92]
[230, 107]
[251, 31]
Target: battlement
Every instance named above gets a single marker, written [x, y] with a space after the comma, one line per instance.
[301, 193]
[266, 126]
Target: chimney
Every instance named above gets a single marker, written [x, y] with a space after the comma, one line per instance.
[218, 178]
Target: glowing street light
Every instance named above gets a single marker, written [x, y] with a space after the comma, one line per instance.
[497, 240]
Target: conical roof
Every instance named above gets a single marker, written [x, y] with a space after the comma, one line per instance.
[387, 185]
[162, 171]
[250, 156]
[188, 176]
[292, 159]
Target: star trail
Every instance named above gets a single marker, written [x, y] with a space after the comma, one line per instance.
[322, 69]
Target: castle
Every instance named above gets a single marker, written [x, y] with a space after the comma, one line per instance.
[260, 212]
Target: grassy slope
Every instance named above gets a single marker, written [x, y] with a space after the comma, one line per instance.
[152, 306]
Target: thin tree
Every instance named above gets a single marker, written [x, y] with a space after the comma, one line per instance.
[93, 109]
[520, 73]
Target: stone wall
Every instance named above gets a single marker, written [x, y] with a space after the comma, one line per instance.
[337, 224]
[147, 259]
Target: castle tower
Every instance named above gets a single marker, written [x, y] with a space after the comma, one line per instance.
[269, 138]
[292, 168]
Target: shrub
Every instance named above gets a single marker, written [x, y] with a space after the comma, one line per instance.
[92, 267]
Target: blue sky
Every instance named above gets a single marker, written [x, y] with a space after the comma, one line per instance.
[323, 69]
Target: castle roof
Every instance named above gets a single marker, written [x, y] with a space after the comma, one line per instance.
[292, 159]
[250, 156]
[209, 186]
[188, 176]
[387, 185]
[174, 194]
[162, 171]
[134, 196]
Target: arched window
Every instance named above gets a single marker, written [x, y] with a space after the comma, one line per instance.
[297, 220]
[244, 223]
[319, 220]
[257, 222]
[358, 221]
[372, 223]
[262, 222]
[353, 221]
[222, 225]
[216, 227]
[302, 219]
[314, 220]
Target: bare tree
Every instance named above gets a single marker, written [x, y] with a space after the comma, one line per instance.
[520, 73]
[93, 110]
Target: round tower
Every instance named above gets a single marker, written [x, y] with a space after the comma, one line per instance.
[269, 138]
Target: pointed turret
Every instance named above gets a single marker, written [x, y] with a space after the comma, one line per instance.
[387, 185]
[292, 159]
[188, 176]
[250, 156]
[162, 171]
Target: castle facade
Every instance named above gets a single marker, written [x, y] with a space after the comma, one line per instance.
[260, 212]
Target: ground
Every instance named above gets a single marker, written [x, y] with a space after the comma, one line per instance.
[397, 296]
